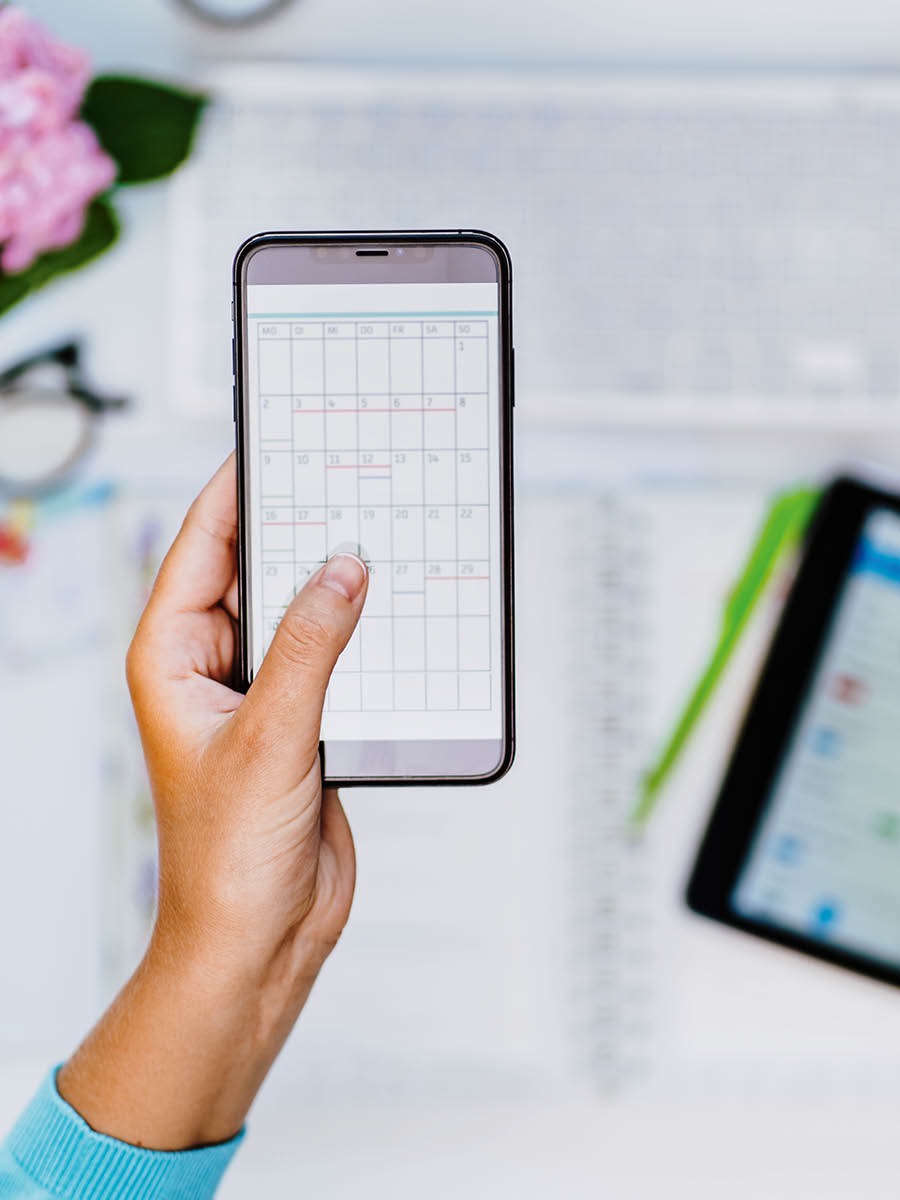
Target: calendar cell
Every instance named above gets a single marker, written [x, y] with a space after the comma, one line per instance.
[275, 418]
[274, 366]
[473, 590]
[309, 475]
[406, 476]
[374, 423]
[439, 477]
[308, 427]
[442, 689]
[437, 362]
[409, 603]
[378, 597]
[277, 474]
[408, 537]
[344, 692]
[408, 589]
[471, 421]
[406, 365]
[340, 431]
[441, 650]
[475, 689]
[310, 545]
[409, 643]
[473, 532]
[278, 584]
[375, 534]
[307, 365]
[439, 431]
[474, 643]
[471, 364]
[409, 692]
[341, 478]
[440, 532]
[277, 529]
[373, 366]
[342, 526]
[377, 693]
[406, 428]
[441, 588]
[472, 483]
[377, 642]
[374, 490]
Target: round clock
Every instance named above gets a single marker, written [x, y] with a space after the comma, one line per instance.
[233, 12]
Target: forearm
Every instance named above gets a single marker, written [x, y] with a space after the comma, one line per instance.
[179, 1057]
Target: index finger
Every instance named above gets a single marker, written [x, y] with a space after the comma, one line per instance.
[200, 566]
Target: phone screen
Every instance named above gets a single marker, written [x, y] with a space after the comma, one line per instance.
[824, 860]
[372, 417]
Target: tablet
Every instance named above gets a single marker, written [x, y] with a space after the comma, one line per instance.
[803, 846]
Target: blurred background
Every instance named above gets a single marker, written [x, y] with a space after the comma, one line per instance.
[700, 199]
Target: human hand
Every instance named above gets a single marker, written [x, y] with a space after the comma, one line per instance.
[257, 866]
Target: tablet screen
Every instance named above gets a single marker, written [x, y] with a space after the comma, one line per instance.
[825, 860]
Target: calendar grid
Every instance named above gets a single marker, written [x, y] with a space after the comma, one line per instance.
[386, 425]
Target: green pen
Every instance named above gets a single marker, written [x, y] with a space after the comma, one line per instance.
[782, 529]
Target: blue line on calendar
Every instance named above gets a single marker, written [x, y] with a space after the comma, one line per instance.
[370, 316]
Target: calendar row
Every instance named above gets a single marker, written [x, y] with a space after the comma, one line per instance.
[417, 644]
[316, 330]
[413, 692]
[314, 422]
[378, 534]
[382, 365]
[434, 588]
[373, 477]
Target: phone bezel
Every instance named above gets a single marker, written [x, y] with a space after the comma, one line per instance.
[783, 686]
[390, 238]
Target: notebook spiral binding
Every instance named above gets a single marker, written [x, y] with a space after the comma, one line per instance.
[610, 886]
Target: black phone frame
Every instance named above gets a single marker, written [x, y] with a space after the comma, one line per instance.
[506, 356]
[783, 686]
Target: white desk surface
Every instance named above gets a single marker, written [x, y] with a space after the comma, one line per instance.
[667, 1146]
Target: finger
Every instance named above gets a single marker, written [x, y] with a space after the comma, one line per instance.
[336, 828]
[231, 599]
[337, 835]
[200, 567]
[283, 707]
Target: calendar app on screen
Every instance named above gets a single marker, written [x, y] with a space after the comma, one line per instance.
[373, 417]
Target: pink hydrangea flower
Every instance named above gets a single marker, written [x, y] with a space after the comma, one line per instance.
[51, 164]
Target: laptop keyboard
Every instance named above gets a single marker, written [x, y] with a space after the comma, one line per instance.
[681, 251]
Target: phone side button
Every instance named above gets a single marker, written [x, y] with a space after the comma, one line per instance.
[234, 403]
[512, 374]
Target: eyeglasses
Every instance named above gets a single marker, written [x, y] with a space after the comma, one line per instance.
[48, 420]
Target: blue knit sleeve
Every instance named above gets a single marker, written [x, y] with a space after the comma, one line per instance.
[53, 1153]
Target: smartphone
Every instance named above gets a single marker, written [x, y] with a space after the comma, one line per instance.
[373, 407]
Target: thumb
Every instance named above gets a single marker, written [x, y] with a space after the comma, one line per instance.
[282, 711]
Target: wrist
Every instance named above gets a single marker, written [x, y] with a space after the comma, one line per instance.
[240, 970]
[177, 1060]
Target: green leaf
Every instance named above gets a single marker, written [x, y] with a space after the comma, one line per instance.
[148, 128]
[101, 228]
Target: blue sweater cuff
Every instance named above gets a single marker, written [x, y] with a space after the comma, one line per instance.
[60, 1152]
